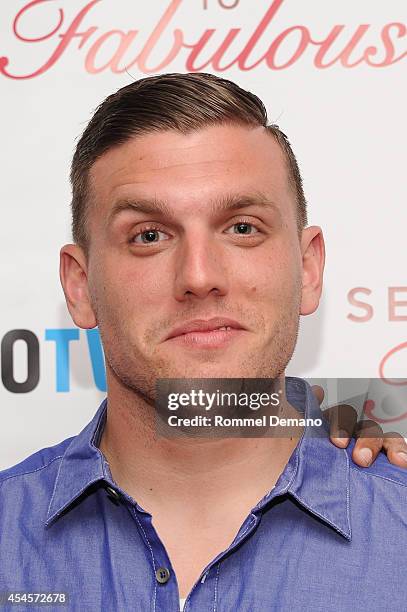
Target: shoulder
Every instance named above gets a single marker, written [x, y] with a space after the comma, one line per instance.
[41, 461]
[381, 472]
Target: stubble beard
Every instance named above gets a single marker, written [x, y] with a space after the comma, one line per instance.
[138, 374]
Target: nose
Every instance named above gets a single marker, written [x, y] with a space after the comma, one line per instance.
[200, 267]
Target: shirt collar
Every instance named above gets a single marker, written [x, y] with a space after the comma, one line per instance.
[317, 473]
[82, 465]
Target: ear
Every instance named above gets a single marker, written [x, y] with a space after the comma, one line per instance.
[313, 261]
[74, 281]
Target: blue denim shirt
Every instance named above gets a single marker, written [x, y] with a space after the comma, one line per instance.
[328, 536]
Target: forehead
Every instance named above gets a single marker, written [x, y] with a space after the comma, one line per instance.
[192, 168]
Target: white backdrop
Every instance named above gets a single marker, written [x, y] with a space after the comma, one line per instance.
[332, 76]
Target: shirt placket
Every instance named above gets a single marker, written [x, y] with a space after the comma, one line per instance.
[204, 593]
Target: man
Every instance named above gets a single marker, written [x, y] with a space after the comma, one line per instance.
[119, 518]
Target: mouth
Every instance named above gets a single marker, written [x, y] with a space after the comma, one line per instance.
[213, 333]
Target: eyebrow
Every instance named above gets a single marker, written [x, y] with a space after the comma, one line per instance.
[228, 202]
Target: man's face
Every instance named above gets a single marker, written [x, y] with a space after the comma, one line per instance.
[149, 272]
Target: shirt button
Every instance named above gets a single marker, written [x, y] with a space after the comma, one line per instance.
[113, 495]
[162, 575]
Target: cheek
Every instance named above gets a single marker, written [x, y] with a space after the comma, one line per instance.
[275, 274]
[129, 286]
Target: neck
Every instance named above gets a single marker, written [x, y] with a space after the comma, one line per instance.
[154, 470]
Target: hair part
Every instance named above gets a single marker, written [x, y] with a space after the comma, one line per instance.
[174, 101]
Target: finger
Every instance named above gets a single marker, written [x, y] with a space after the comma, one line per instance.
[319, 393]
[369, 442]
[342, 420]
[396, 448]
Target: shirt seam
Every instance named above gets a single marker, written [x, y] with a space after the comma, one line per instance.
[215, 599]
[326, 518]
[402, 484]
[321, 516]
[152, 556]
[56, 480]
[286, 488]
[31, 471]
[246, 529]
[348, 493]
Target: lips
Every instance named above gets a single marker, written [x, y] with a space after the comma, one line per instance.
[200, 325]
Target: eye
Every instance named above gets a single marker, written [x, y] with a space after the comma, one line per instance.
[148, 235]
[244, 228]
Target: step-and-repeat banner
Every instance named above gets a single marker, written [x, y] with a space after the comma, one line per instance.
[332, 76]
